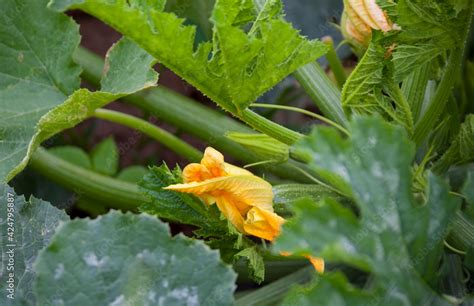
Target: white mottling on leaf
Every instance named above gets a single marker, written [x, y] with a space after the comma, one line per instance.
[59, 271]
[120, 300]
[152, 296]
[187, 295]
[92, 260]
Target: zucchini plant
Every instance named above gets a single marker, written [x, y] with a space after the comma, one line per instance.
[371, 205]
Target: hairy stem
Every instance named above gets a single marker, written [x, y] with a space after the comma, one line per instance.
[274, 292]
[334, 62]
[303, 111]
[174, 143]
[117, 194]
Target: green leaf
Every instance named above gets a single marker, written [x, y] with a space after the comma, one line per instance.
[35, 74]
[255, 264]
[431, 20]
[127, 71]
[394, 232]
[407, 56]
[128, 259]
[34, 222]
[367, 76]
[197, 12]
[236, 67]
[105, 159]
[179, 207]
[429, 30]
[132, 174]
[74, 155]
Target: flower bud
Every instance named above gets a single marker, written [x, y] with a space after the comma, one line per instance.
[358, 20]
[262, 145]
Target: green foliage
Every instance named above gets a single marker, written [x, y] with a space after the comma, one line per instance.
[74, 155]
[187, 209]
[236, 67]
[262, 145]
[396, 239]
[105, 158]
[35, 74]
[179, 207]
[41, 78]
[129, 259]
[468, 188]
[322, 290]
[132, 174]
[429, 32]
[461, 150]
[255, 261]
[34, 222]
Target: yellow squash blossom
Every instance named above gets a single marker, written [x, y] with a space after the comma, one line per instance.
[360, 17]
[244, 199]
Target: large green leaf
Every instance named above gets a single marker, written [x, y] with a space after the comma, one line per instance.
[33, 222]
[36, 73]
[397, 239]
[236, 67]
[128, 259]
[127, 70]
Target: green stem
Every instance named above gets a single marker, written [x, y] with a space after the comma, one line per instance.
[269, 127]
[274, 292]
[323, 91]
[117, 194]
[334, 62]
[462, 233]
[414, 88]
[275, 268]
[402, 104]
[174, 143]
[437, 105]
[303, 111]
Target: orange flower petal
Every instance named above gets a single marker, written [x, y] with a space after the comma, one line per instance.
[195, 173]
[318, 263]
[371, 13]
[230, 211]
[262, 223]
[356, 23]
[378, 16]
[251, 190]
[213, 160]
